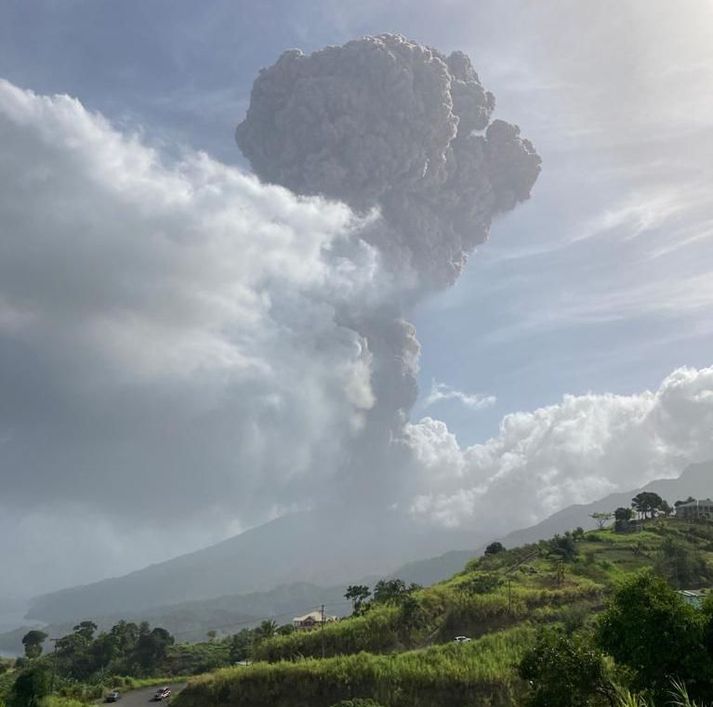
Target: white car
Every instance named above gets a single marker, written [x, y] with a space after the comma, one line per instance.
[461, 639]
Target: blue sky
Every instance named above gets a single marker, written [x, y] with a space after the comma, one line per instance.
[601, 282]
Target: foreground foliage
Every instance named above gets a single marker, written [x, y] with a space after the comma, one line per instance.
[544, 618]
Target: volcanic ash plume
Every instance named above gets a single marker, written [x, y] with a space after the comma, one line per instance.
[387, 125]
[383, 122]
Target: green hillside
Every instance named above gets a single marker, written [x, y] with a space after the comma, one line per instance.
[401, 651]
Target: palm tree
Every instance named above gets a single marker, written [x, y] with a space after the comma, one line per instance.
[267, 629]
[679, 698]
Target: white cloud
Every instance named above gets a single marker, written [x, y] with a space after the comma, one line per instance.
[577, 451]
[170, 341]
[441, 391]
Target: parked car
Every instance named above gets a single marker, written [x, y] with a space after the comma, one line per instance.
[462, 639]
[163, 693]
[113, 696]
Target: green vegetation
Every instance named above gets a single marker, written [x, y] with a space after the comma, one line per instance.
[84, 664]
[32, 641]
[451, 674]
[542, 619]
[30, 686]
[649, 629]
[581, 620]
[126, 649]
[565, 669]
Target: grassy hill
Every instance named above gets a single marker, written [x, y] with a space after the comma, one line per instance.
[402, 653]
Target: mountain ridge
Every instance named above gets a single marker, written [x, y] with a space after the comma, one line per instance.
[301, 547]
[292, 535]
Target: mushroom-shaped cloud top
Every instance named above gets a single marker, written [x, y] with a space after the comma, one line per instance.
[388, 123]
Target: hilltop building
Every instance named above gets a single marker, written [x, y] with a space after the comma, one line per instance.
[311, 620]
[696, 510]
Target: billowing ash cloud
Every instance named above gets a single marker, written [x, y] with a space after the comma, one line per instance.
[231, 349]
[383, 122]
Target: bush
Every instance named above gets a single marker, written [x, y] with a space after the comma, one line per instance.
[494, 549]
[482, 584]
[564, 671]
[682, 566]
[650, 629]
[30, 686]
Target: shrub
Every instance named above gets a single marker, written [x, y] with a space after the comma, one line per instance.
[482, 584]
[564, 671]
[650, 629]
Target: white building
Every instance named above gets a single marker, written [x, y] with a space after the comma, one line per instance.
[696, 510]
[311, 620]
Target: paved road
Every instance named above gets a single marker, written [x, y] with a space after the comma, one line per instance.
[142, 697]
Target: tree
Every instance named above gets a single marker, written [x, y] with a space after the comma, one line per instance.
[563, 671]
[104, 649]
[494, 548]
[411, 617]
[563, 547]
[622, 519]
[125, 634]
[267, 629]
[601, 519]
[286, 630]
[623, 514]
[86, 630]
[667, 509]
[72, 653]
[151, 649]
[30, 687]
[647, 504]
[32, 641]
[239, 646]
[211, 634]
[392, 591]
[358, 594]
[651, 630]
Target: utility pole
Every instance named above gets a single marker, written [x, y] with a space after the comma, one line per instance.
[560, 573]
[321, 629]
[54, 664]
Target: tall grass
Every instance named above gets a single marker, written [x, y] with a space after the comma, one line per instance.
[376, 632]
[55, 701]
[447, 610]
[481, 672]
[678, 697]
